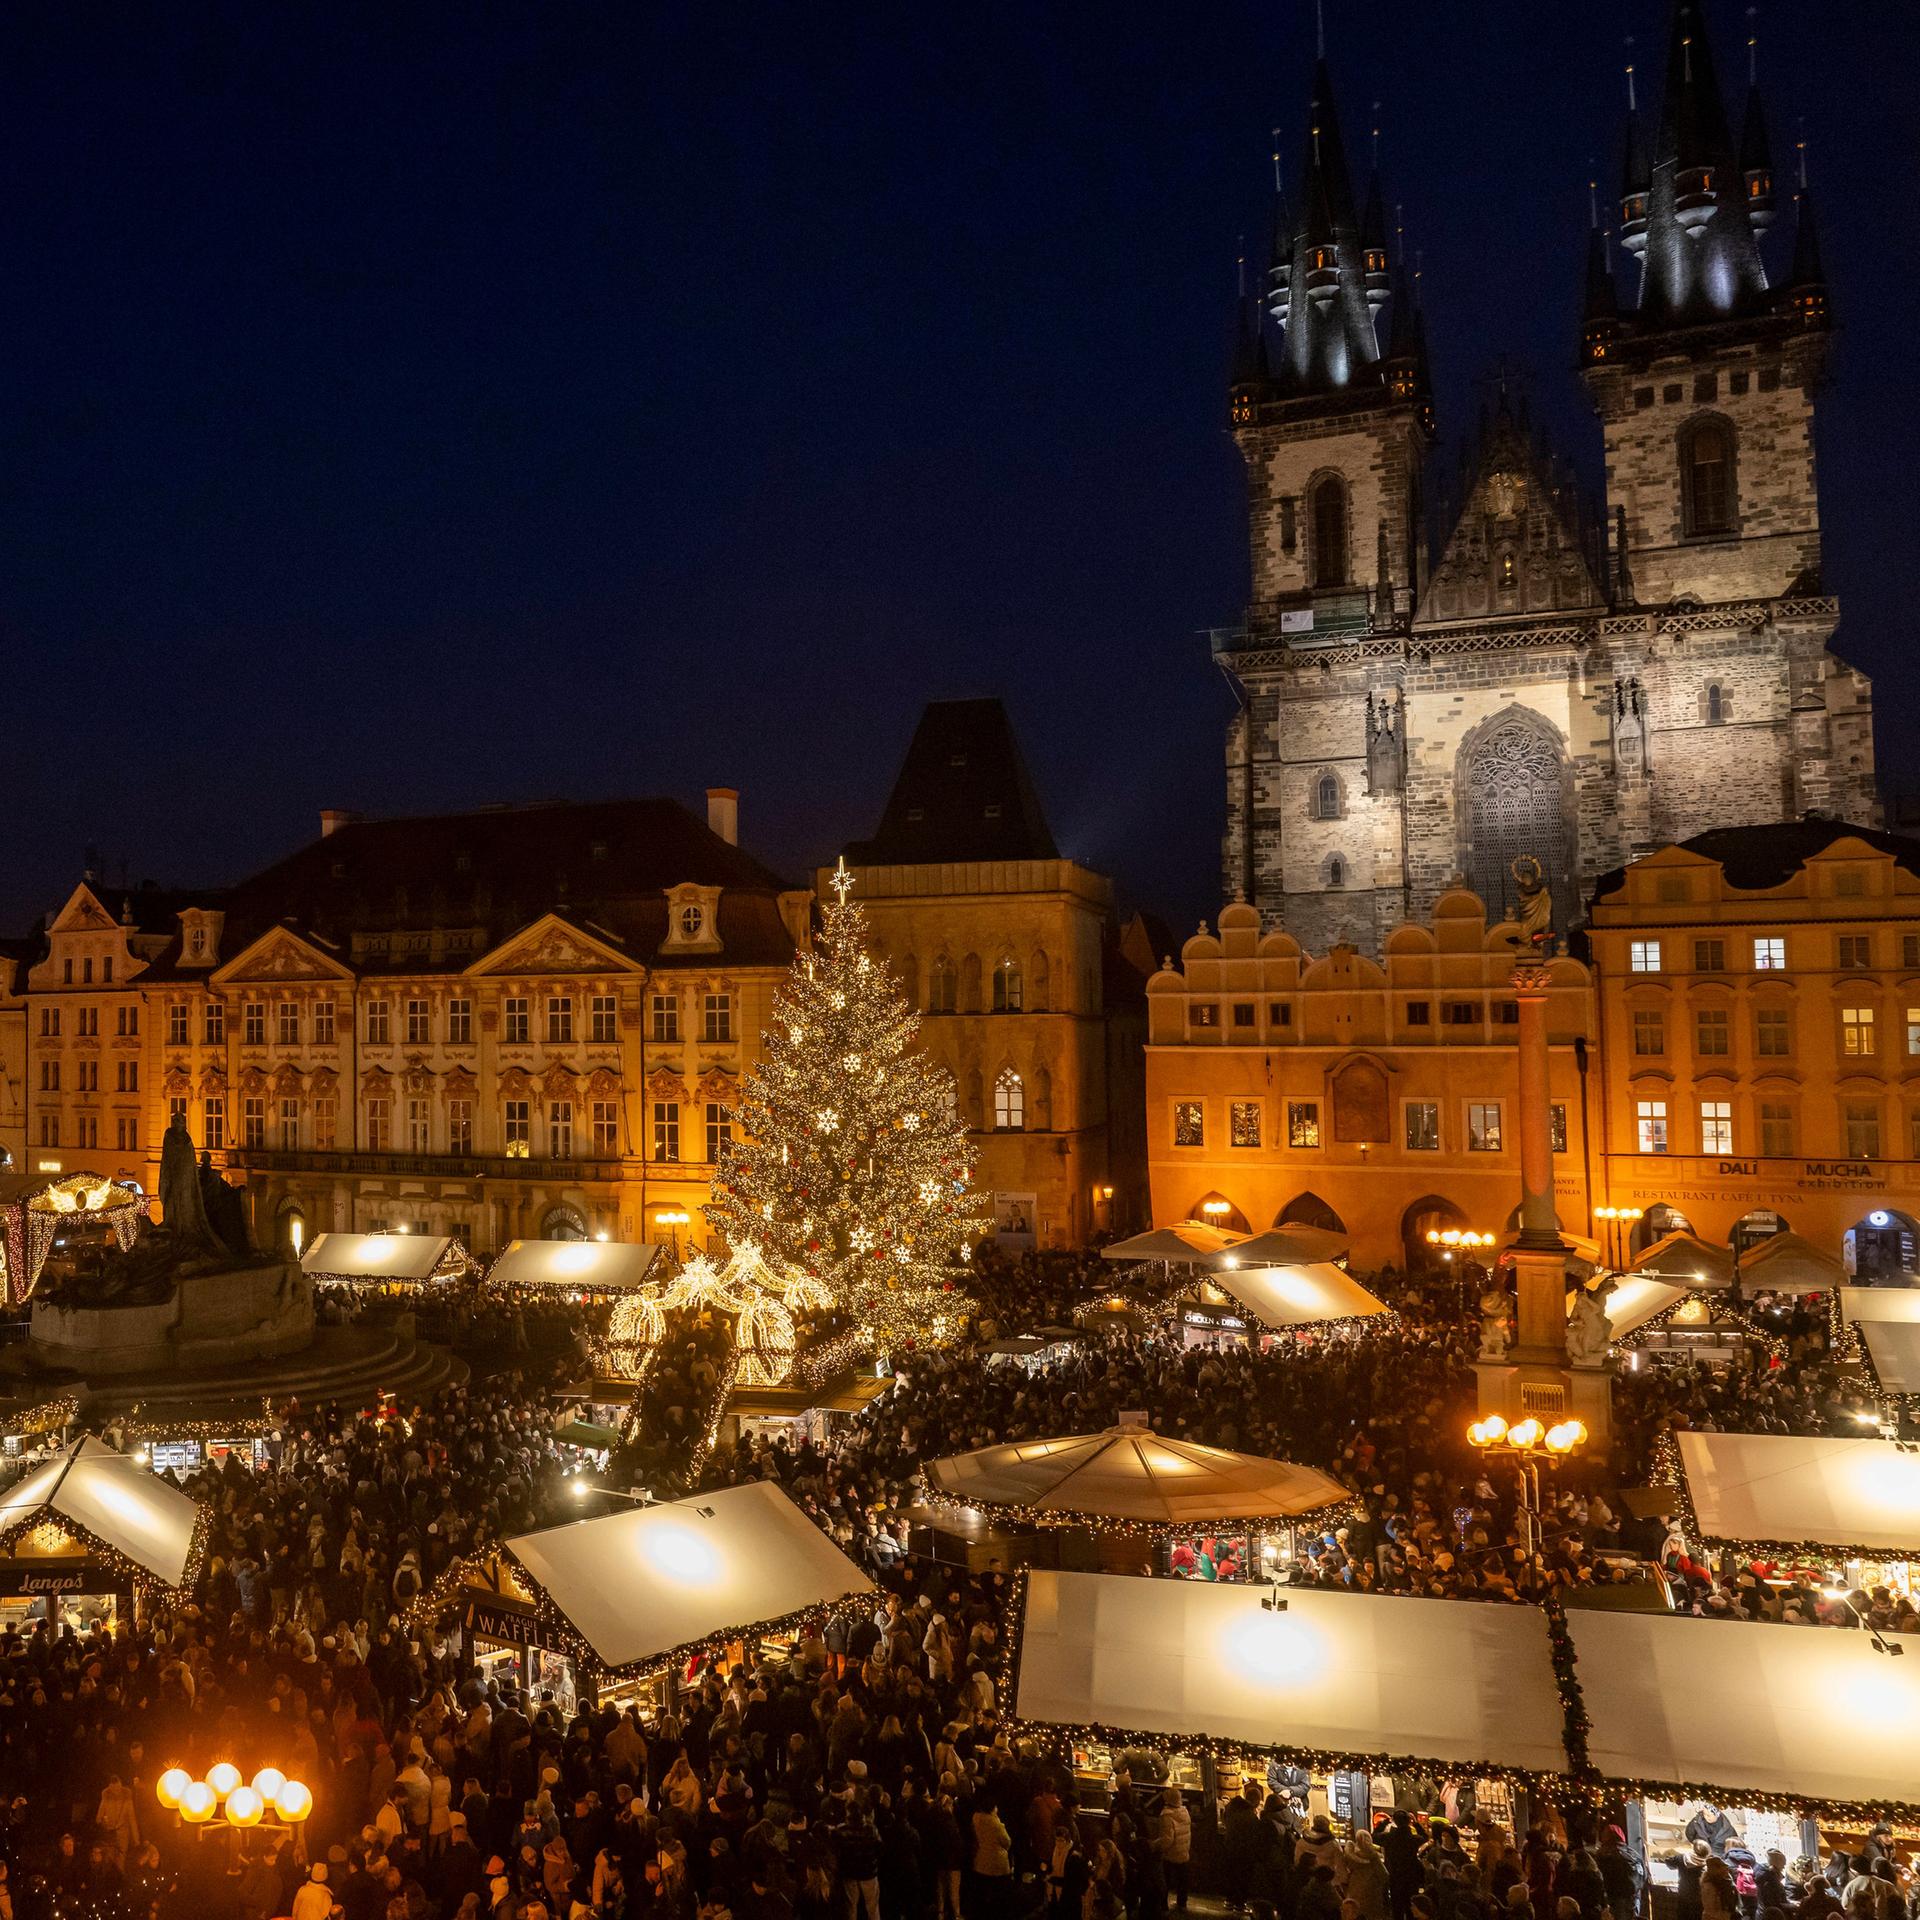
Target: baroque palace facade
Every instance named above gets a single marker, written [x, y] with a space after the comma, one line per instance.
[533, 1021]
[1547, 682]
[1737, 1053]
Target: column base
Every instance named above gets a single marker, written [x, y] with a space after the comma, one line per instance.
[1519, 1389]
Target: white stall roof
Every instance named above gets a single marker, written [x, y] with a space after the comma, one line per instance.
[1787, 1263]
[1284, 1247]
[1636, 1298]
[1453, 1682]
[1781, 1487]
[1741, 1706]
[642, 1583]
[1281, 1297]
[133, 1511]
[380, 1256]
[1189, 1243]
[601, 1266]
[1133, 1473]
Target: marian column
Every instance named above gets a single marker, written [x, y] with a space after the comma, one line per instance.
[1534, 1376]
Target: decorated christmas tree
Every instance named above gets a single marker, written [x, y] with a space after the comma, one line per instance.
[852, 1167]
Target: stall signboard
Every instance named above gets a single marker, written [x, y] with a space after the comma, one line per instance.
[492, 1620]
[82, 1577]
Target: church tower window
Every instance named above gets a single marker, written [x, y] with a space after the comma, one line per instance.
[1513, 801]
[1329, 513]
[1707, 476]
[1336, 872]
[1326, 797]
[1716, 706]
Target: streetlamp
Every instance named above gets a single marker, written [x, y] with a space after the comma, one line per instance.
[224, 1799]
[583, 1488]
[1462, 1240]
[673, 1219]
[1619, 1223]
[1527, 1443]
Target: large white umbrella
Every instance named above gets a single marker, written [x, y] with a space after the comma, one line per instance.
[1185, 1245]
[1284, 1247]
[1133, 1474]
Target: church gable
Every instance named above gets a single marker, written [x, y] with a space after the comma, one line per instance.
[1515, 548]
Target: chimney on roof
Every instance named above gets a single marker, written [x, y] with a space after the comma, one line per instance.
[332, 819]
[723, 813]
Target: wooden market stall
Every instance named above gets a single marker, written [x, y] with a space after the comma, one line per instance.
[384, 1262]
[89, 1532]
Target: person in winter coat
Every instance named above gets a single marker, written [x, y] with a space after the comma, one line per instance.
[1400, 1850]
[1174, 1840]
[314, 1901]
[1366, 1885]
[1318, 1848]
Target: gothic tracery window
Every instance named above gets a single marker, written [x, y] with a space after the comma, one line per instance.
[1514, 804]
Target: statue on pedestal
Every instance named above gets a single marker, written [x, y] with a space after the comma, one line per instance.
[1534, 911]
[1495, 1334]
[1589, 1330]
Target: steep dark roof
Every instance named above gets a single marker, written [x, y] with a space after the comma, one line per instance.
[603, 865]
[963, 793]
[1769, 856]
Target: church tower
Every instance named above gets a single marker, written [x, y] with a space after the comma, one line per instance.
[1333, 429]
[1705, 383]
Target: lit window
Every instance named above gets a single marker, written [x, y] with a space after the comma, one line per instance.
[1009, 1103]
[1716, 1126]
[1243, 1123]
[1483, 1126]
[1856, 1032]
[666, 1130]
[518, 1129]
[1652, 1118]
[1189, 1124]
[1769, 954]
[1913, 1029]
[1423, 1126]
[1646, 956]
[1557, 1126]
[1303, 1123]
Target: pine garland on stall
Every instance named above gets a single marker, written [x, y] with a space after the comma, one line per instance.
[853, 1168]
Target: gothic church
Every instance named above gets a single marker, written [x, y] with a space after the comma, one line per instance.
[1575, 687]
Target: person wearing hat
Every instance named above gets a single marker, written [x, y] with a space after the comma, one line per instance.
[314, 1901]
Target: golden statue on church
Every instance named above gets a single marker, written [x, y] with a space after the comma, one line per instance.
[1533, 911]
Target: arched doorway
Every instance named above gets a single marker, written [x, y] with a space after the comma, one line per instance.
[1429, 1214]
[1880, 1249]
[1512, 776]
[290, 1230]
[1752, 1228]
[1656, 1223]
[1309, 1210]
[564, 1222]
[1216, 1210]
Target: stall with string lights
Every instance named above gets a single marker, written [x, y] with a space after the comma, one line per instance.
[37, 1209]
[393, 1263]
[89, 1533]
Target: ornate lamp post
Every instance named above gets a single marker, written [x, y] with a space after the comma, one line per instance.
[224, 1800]
[1527, 1444]
[1619, 1224]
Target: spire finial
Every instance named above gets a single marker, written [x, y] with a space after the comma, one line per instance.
[1276, 162]
[1400, 230]
[1320, 28]
[1243, 267]
[1633, 104]
[1753, 49]
[1376, 136]
[1801, 145]
[1686, 56]
[1593, 199]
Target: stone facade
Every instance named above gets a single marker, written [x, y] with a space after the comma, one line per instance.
[1553, 684]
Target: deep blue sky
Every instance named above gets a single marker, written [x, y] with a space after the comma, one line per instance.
[418, 406]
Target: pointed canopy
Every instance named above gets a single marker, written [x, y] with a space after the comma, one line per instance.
[1282, 1298]
[1294, 1246]
[1686, 1260]
[105, 1501]
[1184, 1245]
[1790, 1264]
[1133, 1474]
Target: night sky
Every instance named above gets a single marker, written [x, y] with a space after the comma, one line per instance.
[418, 406]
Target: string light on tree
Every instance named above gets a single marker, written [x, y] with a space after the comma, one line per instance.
[852, 1168]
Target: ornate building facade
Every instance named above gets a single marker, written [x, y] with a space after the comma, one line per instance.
[1571, 687]
[1008, 952]
[520, 1021]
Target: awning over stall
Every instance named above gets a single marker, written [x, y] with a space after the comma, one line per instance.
[645, 1586]
[1283, 1297]
[1735, 1707]
[119, 1511]
[1134, 1474]
[1456, 1683]
[1687, 1260]
[591, 1266]
[1637, 1298]
[1786, 1491]
[1889, 1322]
[1789, 1264]
[1185, 1245]
[1284, 1247]
[408, 1258]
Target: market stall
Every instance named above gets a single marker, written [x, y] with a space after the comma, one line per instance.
[575, 1269]
[1343, 1685]
[1887, 1320]
[1686, 1260]
[384, 1262]
[1209, 1513]
[1786, 1263]
[1283, 1247]
[1277, 1301]
[88, 1532]
[1847, 1511]
[610, 1605]
[1187, 1245]
[1766, 1720]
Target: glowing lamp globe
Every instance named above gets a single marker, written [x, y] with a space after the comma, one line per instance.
[197, 1804]
[223, 1778]
[1495, 1429]
[267, 1784]
[294, 1801]
[171, 1786]
[1526, 1435]
[244, 1807]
